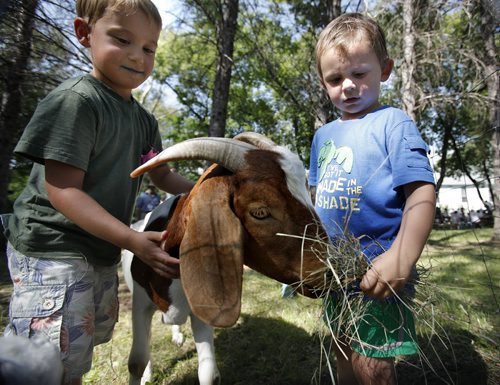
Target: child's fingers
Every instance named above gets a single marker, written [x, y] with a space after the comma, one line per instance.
[373, 286]
[381, 291]
[155, 236]
[166, 265]
[369, 281]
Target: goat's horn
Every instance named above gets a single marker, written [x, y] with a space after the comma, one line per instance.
[258, 140]
[229, 153]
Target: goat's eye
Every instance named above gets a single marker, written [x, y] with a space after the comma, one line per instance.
[260, 212]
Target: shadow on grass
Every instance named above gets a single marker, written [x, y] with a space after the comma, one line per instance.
[261, 351]
[445, 240]
[454, 362]
[472, 237]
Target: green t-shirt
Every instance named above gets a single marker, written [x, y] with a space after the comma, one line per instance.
[85, 124]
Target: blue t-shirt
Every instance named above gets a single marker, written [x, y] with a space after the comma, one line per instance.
[359, 168]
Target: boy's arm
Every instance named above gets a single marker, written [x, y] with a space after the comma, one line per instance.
[169, 181]
[392, 269]
[64, 188]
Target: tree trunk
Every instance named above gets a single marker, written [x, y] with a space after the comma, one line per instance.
[408, 67]
[493, 83]
[447, 137]
[23, 12]
[226, 31]
[324, 108]
[466, 170]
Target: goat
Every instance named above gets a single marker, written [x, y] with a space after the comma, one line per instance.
[232, 216]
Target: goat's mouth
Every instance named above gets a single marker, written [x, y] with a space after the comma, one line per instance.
[313, 284]
[308, 290]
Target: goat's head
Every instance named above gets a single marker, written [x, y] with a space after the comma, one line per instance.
[252, 207]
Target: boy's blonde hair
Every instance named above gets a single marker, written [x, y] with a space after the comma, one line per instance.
[93, 10]
[346, 29]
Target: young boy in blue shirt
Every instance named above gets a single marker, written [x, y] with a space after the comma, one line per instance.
[372, 180]
[72, 219]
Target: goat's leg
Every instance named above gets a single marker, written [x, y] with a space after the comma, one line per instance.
[139, 365]
[203, 334]
[177, 336]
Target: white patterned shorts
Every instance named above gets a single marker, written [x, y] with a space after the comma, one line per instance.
[70, 302]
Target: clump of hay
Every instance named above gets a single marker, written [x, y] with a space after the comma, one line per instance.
[346, 264]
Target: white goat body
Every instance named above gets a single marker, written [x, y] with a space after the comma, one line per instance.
[143, 309]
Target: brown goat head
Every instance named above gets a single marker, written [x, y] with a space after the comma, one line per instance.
[254, 211]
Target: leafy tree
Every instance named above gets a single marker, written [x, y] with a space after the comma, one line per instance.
[488, 27]
[440, 80]
[196, 63]
[17, 32]
[274, 88]
[37, 51]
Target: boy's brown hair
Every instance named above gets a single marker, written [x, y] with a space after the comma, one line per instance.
[345, 29]
[93, 10]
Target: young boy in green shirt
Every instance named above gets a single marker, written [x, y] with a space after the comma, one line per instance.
[72, 219]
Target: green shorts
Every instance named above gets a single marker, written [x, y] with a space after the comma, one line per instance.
[379, 329]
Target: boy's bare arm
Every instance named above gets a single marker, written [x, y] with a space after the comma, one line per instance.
[64, 187]
[169, 181]
[392, 269]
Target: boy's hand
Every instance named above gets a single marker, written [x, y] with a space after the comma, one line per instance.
[146, 246]
[392, 269]
[387, 276]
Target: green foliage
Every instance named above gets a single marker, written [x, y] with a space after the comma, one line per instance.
[19, 177]
[450, 88]
[184, 63]
[274, 88]
[52, 60]
[473, 142]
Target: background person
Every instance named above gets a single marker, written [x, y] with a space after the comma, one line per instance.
[146, 202]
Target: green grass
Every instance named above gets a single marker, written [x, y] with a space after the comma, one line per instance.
[465, 267]
[458, 327]
[276, 341]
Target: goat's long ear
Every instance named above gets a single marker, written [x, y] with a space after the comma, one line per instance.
[211, 255]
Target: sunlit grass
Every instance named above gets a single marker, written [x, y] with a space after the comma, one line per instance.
[458, 326]
[466, 269]
[274, 342]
